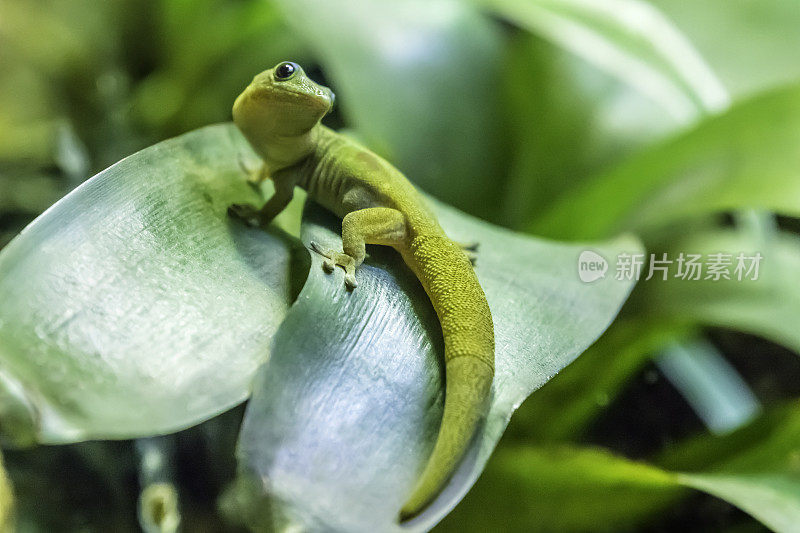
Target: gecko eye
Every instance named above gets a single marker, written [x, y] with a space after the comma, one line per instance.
[285, 70]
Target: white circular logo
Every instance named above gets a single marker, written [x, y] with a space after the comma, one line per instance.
[591, 266]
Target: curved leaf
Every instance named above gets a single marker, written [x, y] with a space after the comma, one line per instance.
[345, 413]
[747, 157]
[134, 306]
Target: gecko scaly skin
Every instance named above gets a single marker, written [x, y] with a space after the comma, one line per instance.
[279, 114]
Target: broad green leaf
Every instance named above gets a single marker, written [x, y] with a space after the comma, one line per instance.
[630, 39]
[750, 45]
[417, 79]
[134, 306]
[747, 157]
[768, 306]
[345, 413]
[583, 489]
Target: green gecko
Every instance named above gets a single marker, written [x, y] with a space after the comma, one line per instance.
[279, 113]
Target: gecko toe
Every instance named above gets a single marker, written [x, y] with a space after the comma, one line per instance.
[334, 259]
[319, 249]
[244, 212]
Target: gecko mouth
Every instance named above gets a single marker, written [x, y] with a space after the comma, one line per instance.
[320, 93]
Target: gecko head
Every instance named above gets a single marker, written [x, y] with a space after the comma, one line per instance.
[282, 101]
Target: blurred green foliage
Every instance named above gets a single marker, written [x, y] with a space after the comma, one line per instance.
[571, 119]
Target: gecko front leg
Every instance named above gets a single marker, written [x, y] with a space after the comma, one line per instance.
[261, 217]
[374, 225]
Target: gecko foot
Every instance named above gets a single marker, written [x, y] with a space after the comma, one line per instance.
[249, 214]
[334, 259]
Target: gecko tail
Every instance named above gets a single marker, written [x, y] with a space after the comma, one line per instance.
[469, 380]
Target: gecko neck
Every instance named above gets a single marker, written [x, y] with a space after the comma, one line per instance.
[281, 151]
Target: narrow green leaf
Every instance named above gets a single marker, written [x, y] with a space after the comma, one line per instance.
[768, 444]
[774, 499]
[747, 157]
[563, 489]
[630, 39]
[574, 489]
[566, 121]
[134, 306]
[755, 468]
[345, 413]
[418, 81]
[584, 489]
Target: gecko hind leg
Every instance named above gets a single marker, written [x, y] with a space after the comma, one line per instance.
[373, 225]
